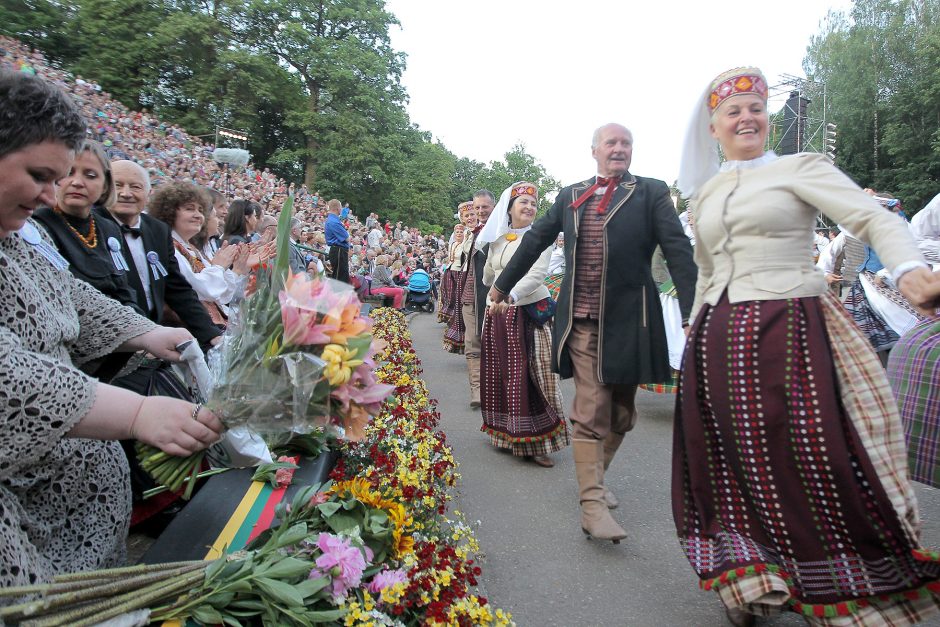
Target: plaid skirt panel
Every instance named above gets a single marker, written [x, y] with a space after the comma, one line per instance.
[914, 373]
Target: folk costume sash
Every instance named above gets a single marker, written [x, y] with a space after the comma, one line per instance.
[212, 308]
[599, 182]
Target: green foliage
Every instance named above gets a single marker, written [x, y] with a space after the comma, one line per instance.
[519, 165]
[879, 67]
[315, 85]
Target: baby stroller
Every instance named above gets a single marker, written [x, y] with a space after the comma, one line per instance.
[419, 292]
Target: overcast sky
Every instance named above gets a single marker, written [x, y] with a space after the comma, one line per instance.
[486, 74]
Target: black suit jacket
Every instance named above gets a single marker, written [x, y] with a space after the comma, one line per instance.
[632, 335]
[173, 290]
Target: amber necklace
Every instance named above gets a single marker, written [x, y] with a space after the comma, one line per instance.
[90, 240]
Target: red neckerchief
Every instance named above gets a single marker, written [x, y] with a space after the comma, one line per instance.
[599, 182]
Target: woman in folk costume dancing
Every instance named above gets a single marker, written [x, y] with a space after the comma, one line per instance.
[520, 395]
[790, 488]
[454, 334]
[448, 299]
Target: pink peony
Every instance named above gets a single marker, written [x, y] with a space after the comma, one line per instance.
[342, 562]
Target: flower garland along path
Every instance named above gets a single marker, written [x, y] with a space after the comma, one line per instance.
[374, 546]
[403, 460]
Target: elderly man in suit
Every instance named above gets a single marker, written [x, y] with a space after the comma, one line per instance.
[155, 274]
[609, 332]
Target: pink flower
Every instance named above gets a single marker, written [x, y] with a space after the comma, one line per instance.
[319, 498]
[284, 476]
[304, 303]
[363, 389]
[385, 579]
[342, 562]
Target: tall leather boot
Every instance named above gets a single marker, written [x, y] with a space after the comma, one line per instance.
[596, 520]
[473, 371]
[611, 444]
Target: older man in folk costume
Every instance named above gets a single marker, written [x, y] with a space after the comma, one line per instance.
[609, 332]
[473, 299]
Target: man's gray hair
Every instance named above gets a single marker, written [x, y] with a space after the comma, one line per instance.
[483, 193]
[597, 132]
[294, 223]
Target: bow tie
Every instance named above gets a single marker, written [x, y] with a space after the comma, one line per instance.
[129, 230]
[610, 183]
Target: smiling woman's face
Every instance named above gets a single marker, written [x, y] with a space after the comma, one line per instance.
[740, 126]
[28, 181]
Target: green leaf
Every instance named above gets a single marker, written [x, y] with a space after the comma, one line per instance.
[289, 568]
[310, 587]
[207, 615]
[215, 568]
[342, 522]
[232, 621]
[282, 263]
[279, 591]
[293, 535]
[329, 508]
[255, 605]
[221, 600]
[324, 616]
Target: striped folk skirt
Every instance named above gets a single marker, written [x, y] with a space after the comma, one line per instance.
[790, 487]
[914, 373]
[520, 395]
[880, 311]
[454, 334]
[449, 301]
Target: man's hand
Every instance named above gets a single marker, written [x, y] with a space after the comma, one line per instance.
[921, 288]
[833, 278]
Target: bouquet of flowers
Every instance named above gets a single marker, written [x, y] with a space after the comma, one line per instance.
[298, 357]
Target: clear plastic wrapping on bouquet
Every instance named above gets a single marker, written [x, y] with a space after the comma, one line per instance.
[269, 375]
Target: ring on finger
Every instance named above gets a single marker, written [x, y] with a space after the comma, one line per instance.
[196, 409]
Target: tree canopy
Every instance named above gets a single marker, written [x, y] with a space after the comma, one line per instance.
[315, 84]
[879, 65]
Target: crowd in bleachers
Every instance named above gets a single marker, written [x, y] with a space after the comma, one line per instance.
[168, 154]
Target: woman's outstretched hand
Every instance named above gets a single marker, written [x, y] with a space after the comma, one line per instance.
[921, 288]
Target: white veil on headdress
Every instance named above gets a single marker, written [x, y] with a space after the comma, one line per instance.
[700, 157]
[497, 224]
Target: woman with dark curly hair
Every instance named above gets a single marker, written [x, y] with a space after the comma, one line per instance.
[183, 206]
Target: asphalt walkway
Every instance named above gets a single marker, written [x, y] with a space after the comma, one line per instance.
[538, 564]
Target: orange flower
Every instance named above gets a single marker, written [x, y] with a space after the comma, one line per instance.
[511, 237]
[345, 319]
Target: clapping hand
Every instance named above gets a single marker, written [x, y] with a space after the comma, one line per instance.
[225, 256]
[241, 264]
